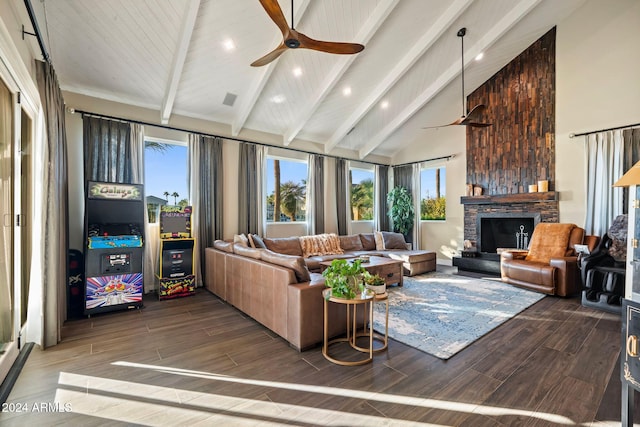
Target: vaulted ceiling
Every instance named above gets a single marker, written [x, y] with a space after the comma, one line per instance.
[192, 58]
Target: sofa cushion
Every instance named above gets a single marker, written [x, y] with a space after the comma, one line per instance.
[393, 240]
[412, 256]
[223, 246]
[351, 242]
[321, 244]
[295, 263]
[240, 249]
[368, 241]
[284, 245]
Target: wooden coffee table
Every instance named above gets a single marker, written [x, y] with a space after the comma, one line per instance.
[389, 269]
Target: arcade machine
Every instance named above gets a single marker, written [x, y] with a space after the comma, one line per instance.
[175, 273]
[114, 224]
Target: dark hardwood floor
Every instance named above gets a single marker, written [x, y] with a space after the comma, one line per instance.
[197, 361]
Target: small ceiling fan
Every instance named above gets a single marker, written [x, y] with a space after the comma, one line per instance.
[470, 118]
[292, 39]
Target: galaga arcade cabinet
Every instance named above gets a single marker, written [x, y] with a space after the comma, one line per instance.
[114, 226]
[175, 273]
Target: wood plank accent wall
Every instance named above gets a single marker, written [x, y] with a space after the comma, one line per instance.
[519, 149]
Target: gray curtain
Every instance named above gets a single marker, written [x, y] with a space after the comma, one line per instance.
[249, 182]
[381, 206]
[205, 188]
[56, 234]
[107, 150]
[631, 142]
[316, 194]
[342, 191]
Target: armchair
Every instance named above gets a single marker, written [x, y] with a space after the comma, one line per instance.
[550, 265]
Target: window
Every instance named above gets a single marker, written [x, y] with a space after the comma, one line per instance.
[165, 176]
[432, 190]
[361, 194]
[286, 190]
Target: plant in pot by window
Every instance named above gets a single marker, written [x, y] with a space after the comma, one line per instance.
[344, 278]
[375, 282]
[401, 209]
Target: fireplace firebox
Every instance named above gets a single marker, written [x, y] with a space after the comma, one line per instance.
[503, 230]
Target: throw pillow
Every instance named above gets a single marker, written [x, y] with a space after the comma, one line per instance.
[258, 242]
[241, 238]
[368, 241]
[379, 241]
[393, 240]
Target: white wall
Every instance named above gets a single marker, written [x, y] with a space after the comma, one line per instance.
[597, 87]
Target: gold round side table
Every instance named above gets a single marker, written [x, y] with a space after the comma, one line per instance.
[366, 300]
[384, 339]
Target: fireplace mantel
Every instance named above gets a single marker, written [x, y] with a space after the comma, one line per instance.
[510, 198]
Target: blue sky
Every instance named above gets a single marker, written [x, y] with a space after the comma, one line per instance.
[428, 183]
[289, 171]
[166, 171]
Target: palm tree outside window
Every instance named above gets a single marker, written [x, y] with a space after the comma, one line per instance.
[286, 185]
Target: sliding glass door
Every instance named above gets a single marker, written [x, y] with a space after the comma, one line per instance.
[8, 350]
[16, 213]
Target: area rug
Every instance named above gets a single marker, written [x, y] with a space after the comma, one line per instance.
[442, 314]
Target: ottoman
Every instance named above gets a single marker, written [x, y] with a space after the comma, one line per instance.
[415, 262]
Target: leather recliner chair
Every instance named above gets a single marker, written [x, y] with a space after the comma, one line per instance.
[550, 265]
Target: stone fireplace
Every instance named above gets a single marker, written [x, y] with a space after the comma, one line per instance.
[492, 222]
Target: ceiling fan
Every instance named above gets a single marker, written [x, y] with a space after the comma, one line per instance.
[470, 118]
[292, 39]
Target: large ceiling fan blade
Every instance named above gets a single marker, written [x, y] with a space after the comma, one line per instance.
[271, 56]
[329, 47]
[478, 109]
[441, 126]
[478, 125]
[275, 13]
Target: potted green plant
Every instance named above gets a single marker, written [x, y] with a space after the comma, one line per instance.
[344, 278]
[374, 282]
[401, 209]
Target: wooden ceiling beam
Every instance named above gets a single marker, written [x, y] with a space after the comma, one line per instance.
[491, 37]
[188, 24]
[430, 36]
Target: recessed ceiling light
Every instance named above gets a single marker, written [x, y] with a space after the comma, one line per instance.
[346, 91]
[228, 44]
[384, 105]
[479, 56]
[278, 99]
[297, 71]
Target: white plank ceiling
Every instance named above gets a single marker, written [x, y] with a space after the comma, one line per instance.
[170, 56]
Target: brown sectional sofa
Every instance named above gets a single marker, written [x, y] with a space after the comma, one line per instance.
[282, 290]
